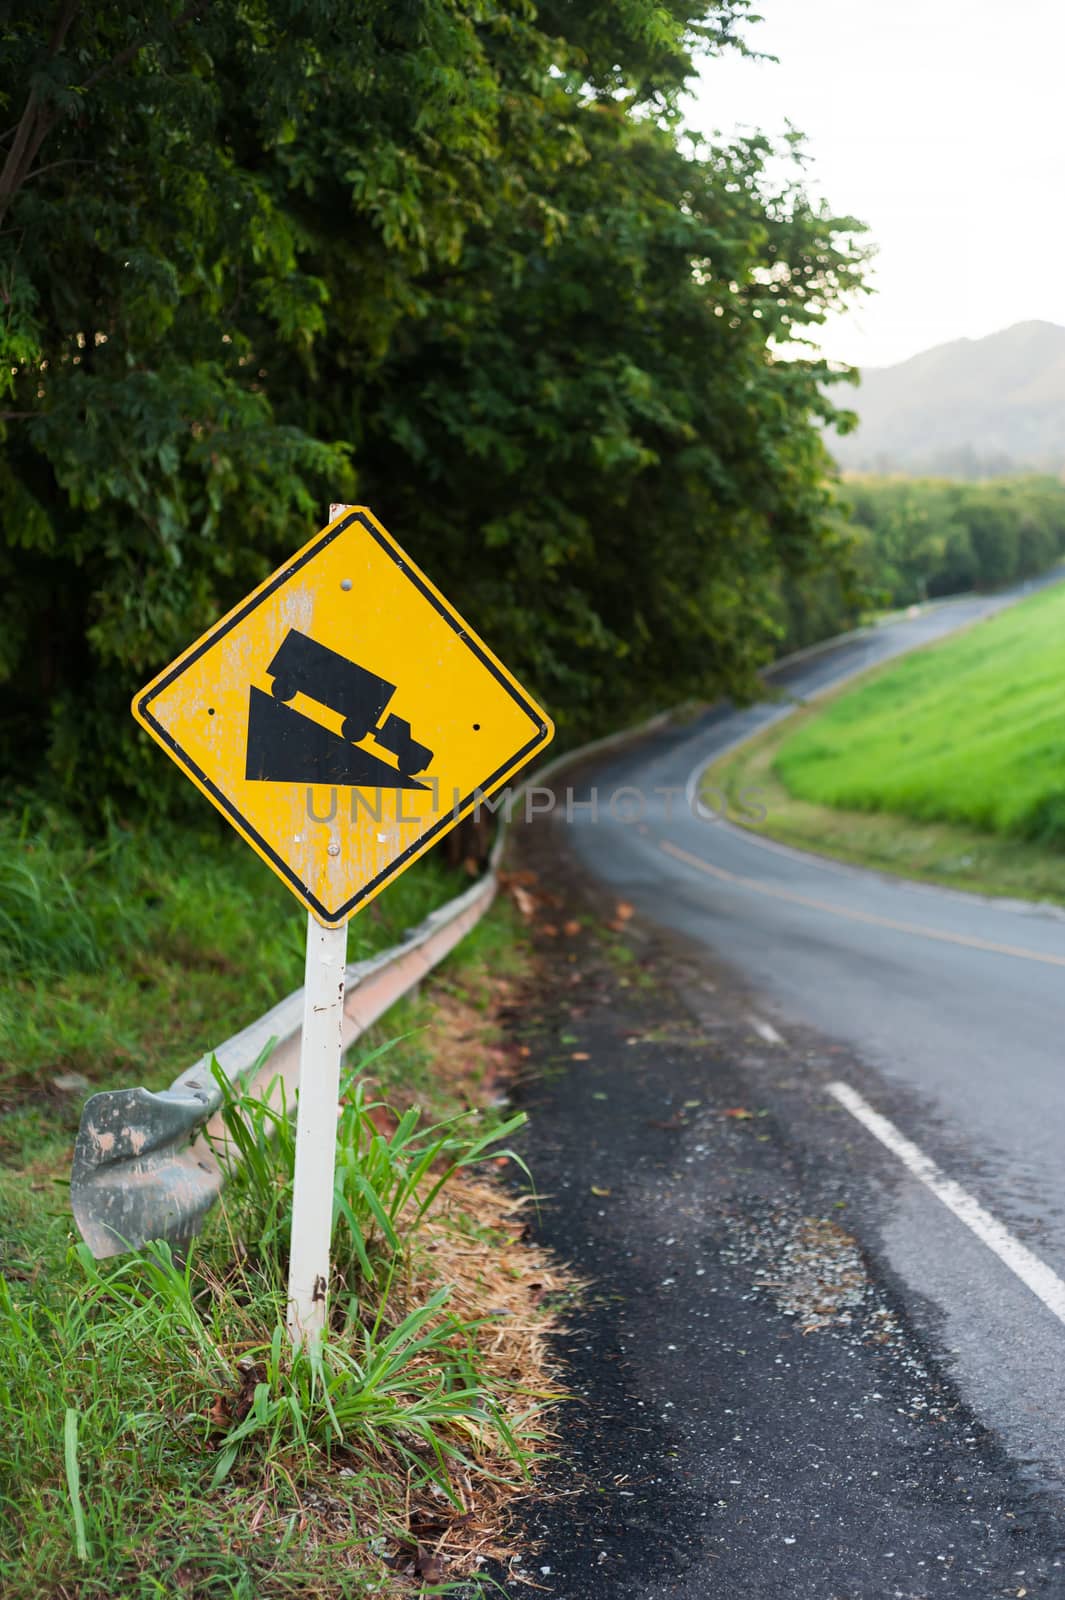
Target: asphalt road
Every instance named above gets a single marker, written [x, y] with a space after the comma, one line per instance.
[947, 1012]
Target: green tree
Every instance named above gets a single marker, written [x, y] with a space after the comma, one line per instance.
[929, 537]
[600, 445]
[454, 257]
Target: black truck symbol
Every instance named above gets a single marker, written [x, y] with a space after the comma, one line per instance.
[361, 697]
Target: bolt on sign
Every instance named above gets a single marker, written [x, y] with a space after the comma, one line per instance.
[343, 717]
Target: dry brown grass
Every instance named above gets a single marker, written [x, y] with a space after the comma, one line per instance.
[507, 1298]
[475, 1243]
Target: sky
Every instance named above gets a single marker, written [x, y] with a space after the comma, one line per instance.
[939, 123]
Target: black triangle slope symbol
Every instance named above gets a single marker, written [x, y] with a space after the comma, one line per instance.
[285, 747]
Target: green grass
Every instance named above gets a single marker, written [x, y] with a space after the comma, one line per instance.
[161, 1436]
[385, 1186]
[124, 958]
[948, 766]
[160, 1439]
[970, 732]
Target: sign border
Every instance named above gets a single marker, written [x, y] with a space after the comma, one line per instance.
[142, 702]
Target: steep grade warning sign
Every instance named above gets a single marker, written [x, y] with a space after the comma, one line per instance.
[343, 716]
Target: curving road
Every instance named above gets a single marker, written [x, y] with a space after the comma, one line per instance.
[949, 1010]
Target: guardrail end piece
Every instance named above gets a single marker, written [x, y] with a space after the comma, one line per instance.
[136, 1174]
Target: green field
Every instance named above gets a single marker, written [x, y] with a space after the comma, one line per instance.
[947, 766]
[972, 731]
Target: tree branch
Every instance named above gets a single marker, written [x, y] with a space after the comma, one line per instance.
[37, 120]
[50, 166]
[67, 12]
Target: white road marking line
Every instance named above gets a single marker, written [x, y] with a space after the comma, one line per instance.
[1035, 1274]
[766, 1031]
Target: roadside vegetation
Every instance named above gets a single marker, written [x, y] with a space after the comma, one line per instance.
[161, 1439]
[127, 951]
[916, 539]
[464, 264]
[922, 538]
[948, 765]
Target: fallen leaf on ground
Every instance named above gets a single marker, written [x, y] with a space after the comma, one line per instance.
[740, 1113]
[580, 1055]
[70, 1082]
[602, 1193]
[571, 927]
[524, 901]
[525, 876]
[428, 1566]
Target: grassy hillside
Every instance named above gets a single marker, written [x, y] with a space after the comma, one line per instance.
[948, 766]
[972, 732]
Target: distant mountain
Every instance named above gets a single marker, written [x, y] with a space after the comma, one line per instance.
[971, 408]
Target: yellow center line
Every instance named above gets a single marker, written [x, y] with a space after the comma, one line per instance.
[757, 887]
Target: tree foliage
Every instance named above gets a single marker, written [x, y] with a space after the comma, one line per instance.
[453, 257]
[907, 540]
[922, 538]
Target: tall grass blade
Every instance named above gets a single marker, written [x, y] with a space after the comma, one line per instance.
[70, 1456]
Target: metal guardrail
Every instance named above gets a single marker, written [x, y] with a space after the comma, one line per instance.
[144, 1166]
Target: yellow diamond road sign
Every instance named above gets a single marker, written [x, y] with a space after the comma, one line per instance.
[343, 717]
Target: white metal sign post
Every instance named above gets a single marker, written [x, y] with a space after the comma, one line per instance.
[316, 1130]
[316, 1123]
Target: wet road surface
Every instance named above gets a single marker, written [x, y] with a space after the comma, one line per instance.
[807, 1367]
[954, 1007]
